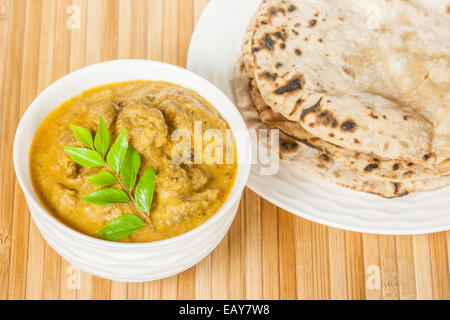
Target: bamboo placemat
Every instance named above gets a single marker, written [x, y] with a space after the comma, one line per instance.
[268, 253]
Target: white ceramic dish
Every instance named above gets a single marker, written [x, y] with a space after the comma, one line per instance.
[129, 262]
[222, 26]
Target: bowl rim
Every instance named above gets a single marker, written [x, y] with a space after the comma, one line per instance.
[235, 193]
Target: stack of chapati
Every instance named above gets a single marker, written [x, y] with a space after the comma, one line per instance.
[358, 89]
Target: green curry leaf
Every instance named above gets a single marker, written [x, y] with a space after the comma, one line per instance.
[124, 159]
[102, 179]
[107, 196]
[120, 228]
[85, 157]
[130, 168]
[102, 139]
[83, 135]
[145, 189]
[118, 151]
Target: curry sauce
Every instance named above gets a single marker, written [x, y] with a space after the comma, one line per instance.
[186, 194]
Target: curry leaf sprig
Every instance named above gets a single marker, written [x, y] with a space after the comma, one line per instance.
[122, 164]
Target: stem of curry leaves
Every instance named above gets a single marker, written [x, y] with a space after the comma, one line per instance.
[101, 148]
[130, 195]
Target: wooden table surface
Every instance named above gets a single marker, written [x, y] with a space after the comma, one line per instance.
[268, 252]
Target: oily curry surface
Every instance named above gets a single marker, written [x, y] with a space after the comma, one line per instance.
[186, 194]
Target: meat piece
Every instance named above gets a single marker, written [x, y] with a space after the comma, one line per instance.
[173, 181]
[64, 197]
[71, 169]
[176, 116]
[106, 109]
[177, 209]
[146, 126]
[63, 163]
[173, 212]
[206, 197]
[105, 95]
[199, 178]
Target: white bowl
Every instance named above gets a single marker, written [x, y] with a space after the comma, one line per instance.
[131, 262]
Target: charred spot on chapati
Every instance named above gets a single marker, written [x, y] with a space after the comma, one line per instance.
[271, 76]
[306, 143]
[397, 189]
[297, 105]
[371, 167]
[268, 42]
[348, 126]
[326, 118]
[396, 185]
[278, 35]
[427, 156]
[289, 145]
[292, 85]
[325, 157]
[310, 109]
[408, 174]
[373, 116]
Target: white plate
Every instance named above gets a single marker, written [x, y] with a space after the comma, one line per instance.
[214, 48]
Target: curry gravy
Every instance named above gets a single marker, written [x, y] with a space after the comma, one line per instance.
[186, 195]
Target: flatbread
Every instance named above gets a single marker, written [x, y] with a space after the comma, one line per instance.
[365, 164]
[380, 86]
[318, 163]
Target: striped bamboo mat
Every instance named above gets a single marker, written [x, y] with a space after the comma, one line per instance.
[268, 253]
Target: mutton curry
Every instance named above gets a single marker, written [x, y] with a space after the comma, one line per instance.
[186, 194]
